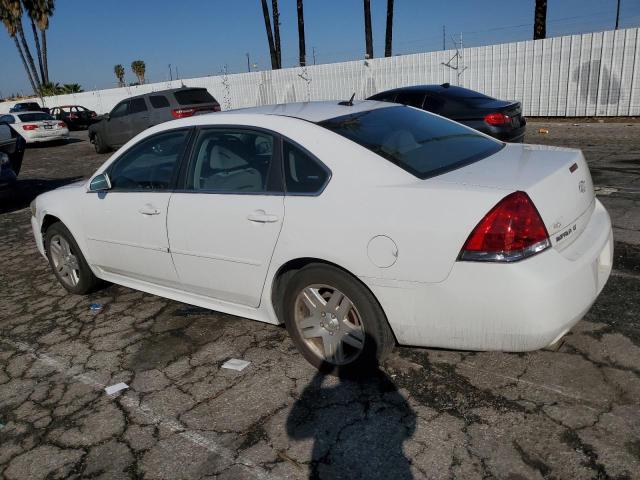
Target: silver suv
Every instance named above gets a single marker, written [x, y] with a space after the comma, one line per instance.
[135, 114]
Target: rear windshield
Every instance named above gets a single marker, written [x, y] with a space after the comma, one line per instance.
[464, 95]
[421, 143]
[34, 117]
[193, 96]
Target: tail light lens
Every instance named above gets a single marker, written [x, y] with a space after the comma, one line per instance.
[497, 119]
[29, 126]
[511, 231]
[183, 112]
[62, 124]
[93, 114]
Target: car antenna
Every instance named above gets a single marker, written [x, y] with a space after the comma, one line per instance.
[348, 103]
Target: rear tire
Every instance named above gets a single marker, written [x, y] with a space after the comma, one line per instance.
[335, 321]
[67, 262]
[99, 144]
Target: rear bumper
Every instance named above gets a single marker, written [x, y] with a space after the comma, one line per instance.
[509, 307]
[506, 134]
[62, 134]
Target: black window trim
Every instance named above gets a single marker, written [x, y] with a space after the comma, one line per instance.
[174, 175]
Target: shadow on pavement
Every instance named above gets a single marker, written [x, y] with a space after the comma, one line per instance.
[358, 427]
[21, 194]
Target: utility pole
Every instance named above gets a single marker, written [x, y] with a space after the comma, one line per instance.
[177, 76]
[618, 15]
[170, 73]
[444, 38]
[248, 63]
[314, 54]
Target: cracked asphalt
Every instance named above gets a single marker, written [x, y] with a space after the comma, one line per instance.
[570, 413]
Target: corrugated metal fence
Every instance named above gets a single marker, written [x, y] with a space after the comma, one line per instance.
[593, 74]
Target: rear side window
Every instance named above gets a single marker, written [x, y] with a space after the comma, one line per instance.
[158, 101]
[193, 96]
[303, 174]
[416, 141]
[34, 117]
[137, 105]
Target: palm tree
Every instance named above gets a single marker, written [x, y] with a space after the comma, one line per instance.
[49, 89]
[71, 88]
[10, 19]
[39, 12]
[119, 71]
[367, 29]
[267, 26]
[301, 46]
[276, 31]
[540, 20]
[138, 67]
[389, 33]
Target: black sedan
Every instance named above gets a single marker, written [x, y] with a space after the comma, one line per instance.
[75, 116]
[499, 118]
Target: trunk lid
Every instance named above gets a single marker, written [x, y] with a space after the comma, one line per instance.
[556, 179]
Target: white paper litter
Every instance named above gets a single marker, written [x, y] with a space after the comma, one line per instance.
[116, 388]
[236, 364]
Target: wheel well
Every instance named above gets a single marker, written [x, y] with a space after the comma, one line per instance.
[288, 270]
[47, 221]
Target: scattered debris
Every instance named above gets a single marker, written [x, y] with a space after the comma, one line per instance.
[544, 131]
[575, 124]
[1, 425]
[605, 190]
[95, 307]
[116, 388]
[236, 364]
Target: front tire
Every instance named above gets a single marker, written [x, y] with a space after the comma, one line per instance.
[99, 144]
[335, 321]
[67, 262]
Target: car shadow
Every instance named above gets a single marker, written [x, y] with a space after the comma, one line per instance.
[22, 193]
[54, 143]
[358, 426]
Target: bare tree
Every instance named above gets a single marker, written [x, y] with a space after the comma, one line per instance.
[388, 38]
[367, 29]
[540, 20]
[267, 26]
[301, 46]
[276, 31]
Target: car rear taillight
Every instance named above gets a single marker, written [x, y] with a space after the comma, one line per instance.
[93, 114]
[29, 126]
[62, 124]
[183, 112]
[497, 119]
[511, 231]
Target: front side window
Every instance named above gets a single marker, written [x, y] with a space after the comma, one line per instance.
[150, 164]
[231, 161]
[421, 143]
[137, 105]
[303, 174]
[119, 110]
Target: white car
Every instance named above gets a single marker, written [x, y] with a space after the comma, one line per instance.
[36, 127]
[359, 225]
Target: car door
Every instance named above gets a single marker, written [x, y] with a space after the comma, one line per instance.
[126, 226]
[224, 225]
[118, 127]
[139, 115]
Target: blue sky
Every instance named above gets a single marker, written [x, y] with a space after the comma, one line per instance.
[87, 38]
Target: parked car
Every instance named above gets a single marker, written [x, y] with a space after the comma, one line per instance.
[356, 224]
[75, 116]
[11, 154]
[36, 127]
[499, 118]
[135, 114]
[27, 107]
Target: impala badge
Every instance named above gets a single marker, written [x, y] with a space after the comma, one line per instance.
[582, 186]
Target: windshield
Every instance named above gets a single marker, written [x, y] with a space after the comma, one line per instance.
[423, 144]
[35, 117]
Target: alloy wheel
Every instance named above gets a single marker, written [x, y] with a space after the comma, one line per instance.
[64, 260]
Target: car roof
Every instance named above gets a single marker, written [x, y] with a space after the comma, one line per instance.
[313, 111]
[426, 88]
[163, 92]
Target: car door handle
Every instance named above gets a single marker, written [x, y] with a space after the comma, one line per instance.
[149, 209]
[261, 217]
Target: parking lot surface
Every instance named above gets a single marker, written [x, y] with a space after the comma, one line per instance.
[570, 413]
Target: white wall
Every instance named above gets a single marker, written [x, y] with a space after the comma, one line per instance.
[593, 74]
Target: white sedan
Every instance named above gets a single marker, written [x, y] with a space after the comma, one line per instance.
[359, 225]
[36, 127]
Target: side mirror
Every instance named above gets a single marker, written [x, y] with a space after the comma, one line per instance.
[100, 183]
